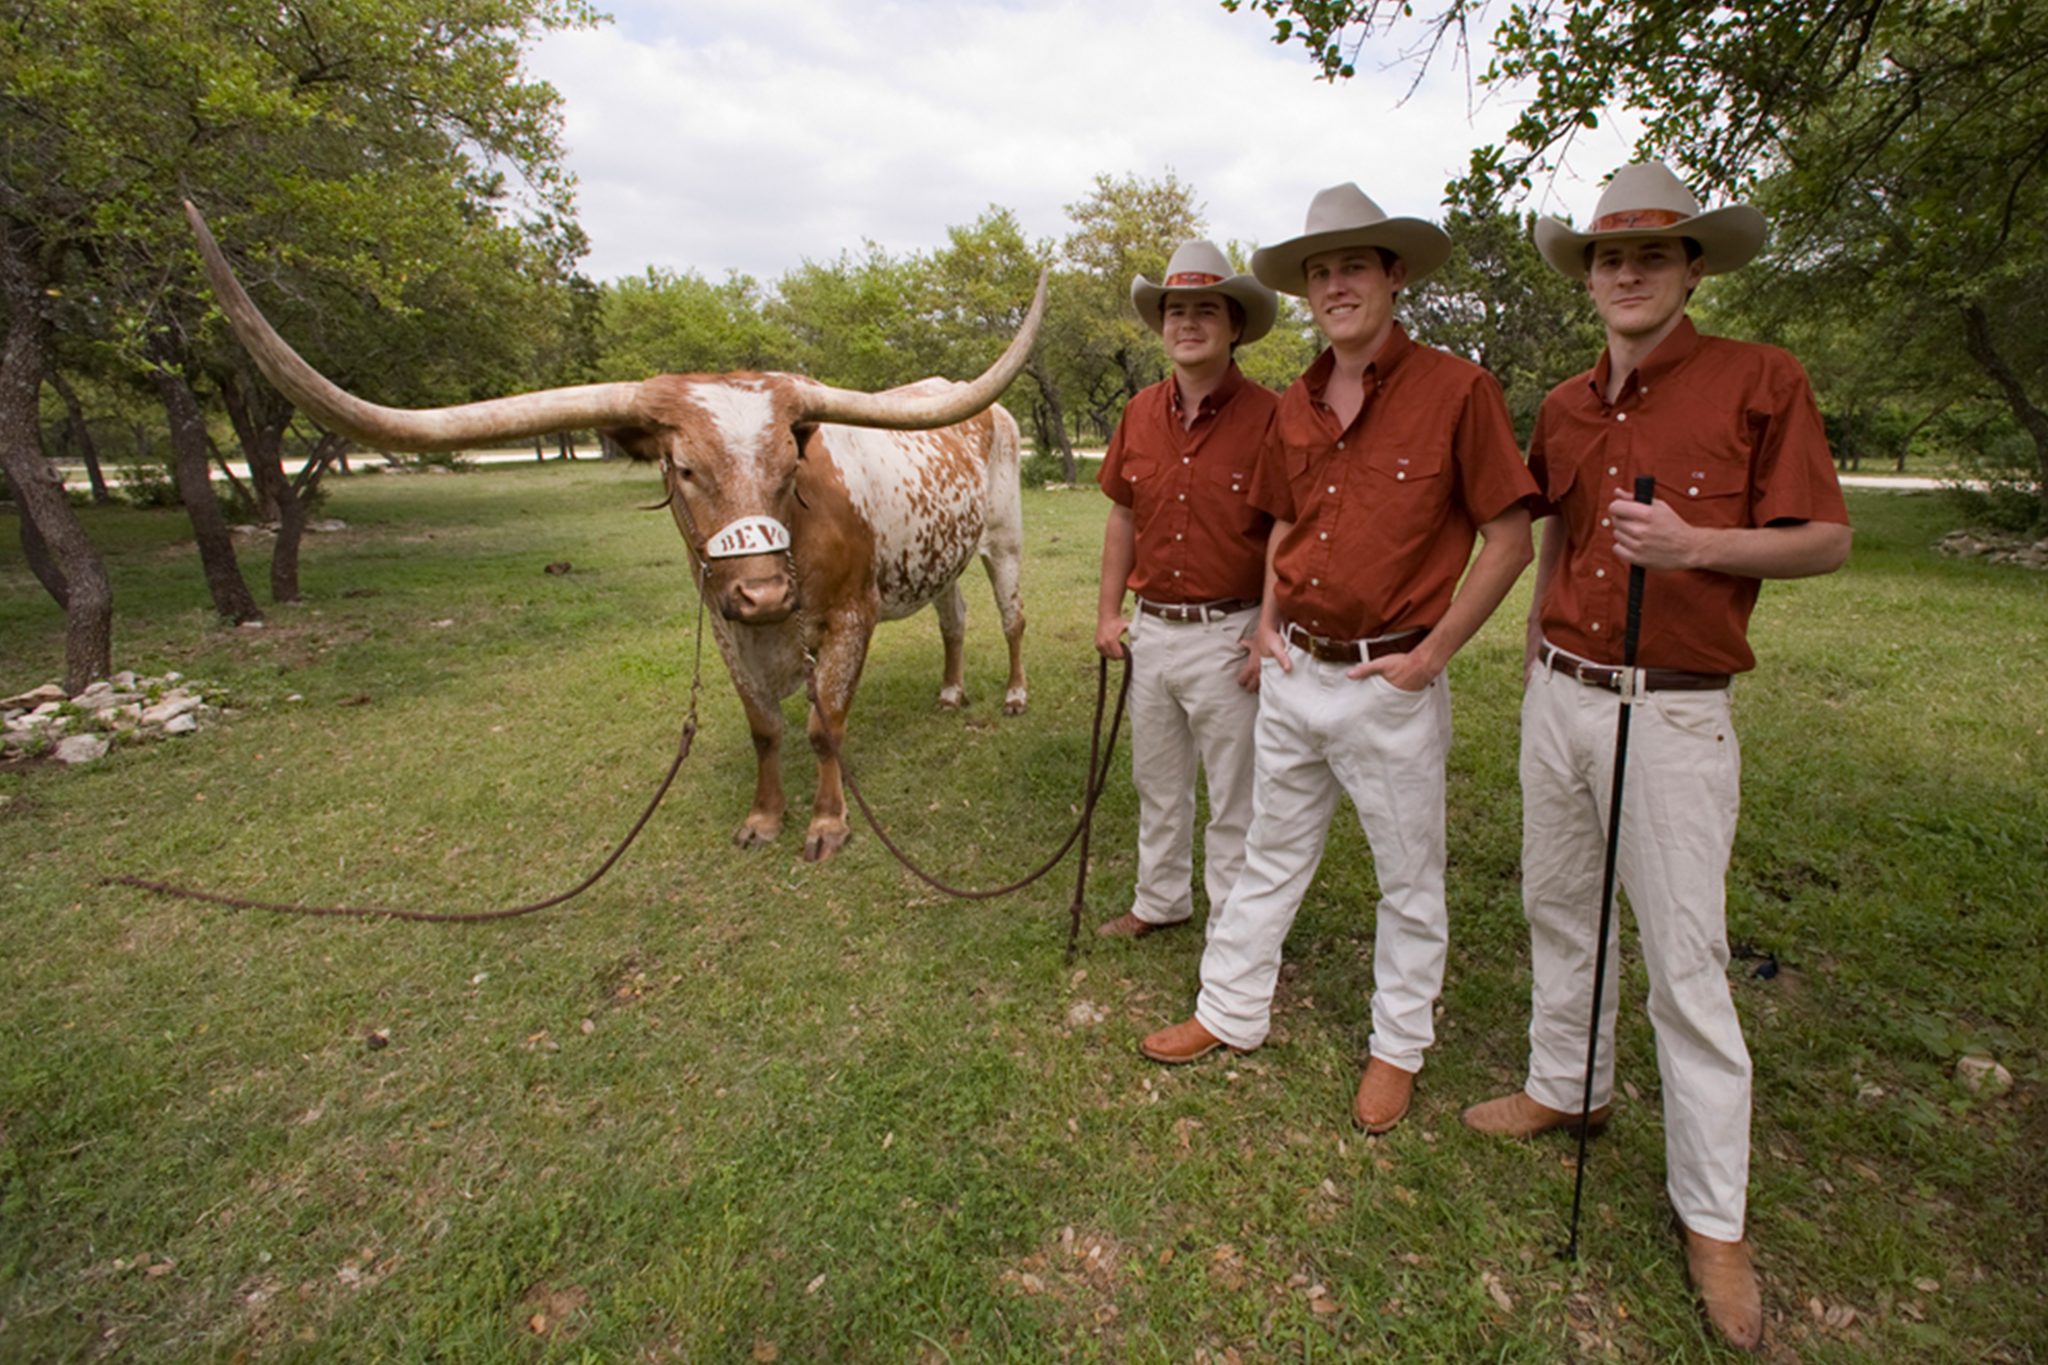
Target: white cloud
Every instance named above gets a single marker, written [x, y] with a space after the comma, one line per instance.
[731, 135]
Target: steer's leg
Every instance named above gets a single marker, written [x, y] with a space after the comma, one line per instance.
[840, 653]
[1003, 566]
[951, 606]
[764, 821]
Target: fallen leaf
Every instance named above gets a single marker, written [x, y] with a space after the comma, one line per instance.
[588, 1026]
[538, 1324]
[765, 1351]
[1928, 1286]
[1497, 1291]
[815, 1285]
[888, 1140]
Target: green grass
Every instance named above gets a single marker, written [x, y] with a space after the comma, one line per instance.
[731, 1106]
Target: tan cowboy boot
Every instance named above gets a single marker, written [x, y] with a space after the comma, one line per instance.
[1182, 1042]
[1518, 1116]
[1383, 1094]
[1128, 925]
[1726, 1282]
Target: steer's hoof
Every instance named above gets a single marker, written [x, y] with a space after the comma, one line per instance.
[825, 839]
[952, 698]
[1015, 700]
[757, 831]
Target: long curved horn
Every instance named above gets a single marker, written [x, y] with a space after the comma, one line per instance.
[526, 414]
[898, 411]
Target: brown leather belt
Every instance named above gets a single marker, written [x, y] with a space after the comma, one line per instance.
[1183, 613]
[1353, 651]
[1611, 676]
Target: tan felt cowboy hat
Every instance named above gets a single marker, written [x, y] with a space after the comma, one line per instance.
[1647, 200]
[1342, 216]
[1199, 267]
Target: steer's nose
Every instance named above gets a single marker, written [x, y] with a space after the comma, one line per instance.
[761, 598]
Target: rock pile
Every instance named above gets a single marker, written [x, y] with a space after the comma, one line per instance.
[1995, 548]
[125, 707]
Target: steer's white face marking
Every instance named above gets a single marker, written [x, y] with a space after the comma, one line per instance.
[743, 415]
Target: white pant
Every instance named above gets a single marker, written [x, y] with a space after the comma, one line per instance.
[1185, 702]
[1321, 733]
[1679, 801]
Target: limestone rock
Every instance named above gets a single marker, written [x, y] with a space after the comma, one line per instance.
[81, 748]
[48, 692]
[182, 724]
[1982, 1075]
[171, 705]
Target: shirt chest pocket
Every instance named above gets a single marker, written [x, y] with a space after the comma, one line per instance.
[1397, 471]
[1708, 492]
[1231, 481]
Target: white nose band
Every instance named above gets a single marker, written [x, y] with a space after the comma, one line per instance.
[748, 536]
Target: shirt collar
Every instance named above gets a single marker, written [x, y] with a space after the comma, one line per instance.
[1212, 401]
[1395, 349]
[1673, 351]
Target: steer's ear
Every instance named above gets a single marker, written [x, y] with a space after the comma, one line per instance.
[640, 443]
[803, 432]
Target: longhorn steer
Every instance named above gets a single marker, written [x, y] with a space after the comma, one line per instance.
[810, 513]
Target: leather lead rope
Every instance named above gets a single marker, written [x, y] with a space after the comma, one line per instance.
[689, 735]
[1099, 754]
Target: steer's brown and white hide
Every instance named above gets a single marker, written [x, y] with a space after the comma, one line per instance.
[880, 523]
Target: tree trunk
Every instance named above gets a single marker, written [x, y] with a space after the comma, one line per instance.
[37, 552]
[260, 416]
[189, 460]
[1049, 388]
[46, 516]
[1984, 350]
[81, 434]
[220, 462]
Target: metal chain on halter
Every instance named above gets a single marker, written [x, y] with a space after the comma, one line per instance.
[467, 917]
[1099, 755]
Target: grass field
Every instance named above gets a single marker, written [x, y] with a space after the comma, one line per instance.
[729, 1106]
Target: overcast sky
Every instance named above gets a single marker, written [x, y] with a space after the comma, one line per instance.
[732, 135]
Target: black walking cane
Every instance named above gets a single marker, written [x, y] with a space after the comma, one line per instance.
[1646, 491]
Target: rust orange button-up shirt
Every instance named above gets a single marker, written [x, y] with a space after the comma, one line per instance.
[1199, 539]
[1731, 432]
[1385, 511]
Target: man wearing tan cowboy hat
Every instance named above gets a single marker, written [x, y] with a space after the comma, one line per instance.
[1387, 461]
[1184, 537]
[1746, 491]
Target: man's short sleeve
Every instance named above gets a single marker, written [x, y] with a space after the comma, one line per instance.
[1795, 476]
[1110, 476]
[1492, 479]
[1271, 493]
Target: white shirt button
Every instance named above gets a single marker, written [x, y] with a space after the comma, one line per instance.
[1333, 488]
[1597, 573]
[1176, 573]
[1176, 535]
[1315, 582]
[1692, 492]
[1325, 536]
[1614, 469]
[1340, 445]
[1400, 474]
[1596, 625]
[1621, 417]
[1606, 522]
[1182, 497]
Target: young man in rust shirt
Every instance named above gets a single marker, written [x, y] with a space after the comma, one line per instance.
[1388, 461]
[1746, 491]
[1184, 537]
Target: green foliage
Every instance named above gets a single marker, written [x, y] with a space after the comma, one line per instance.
[1497, 302]
[665, 323]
